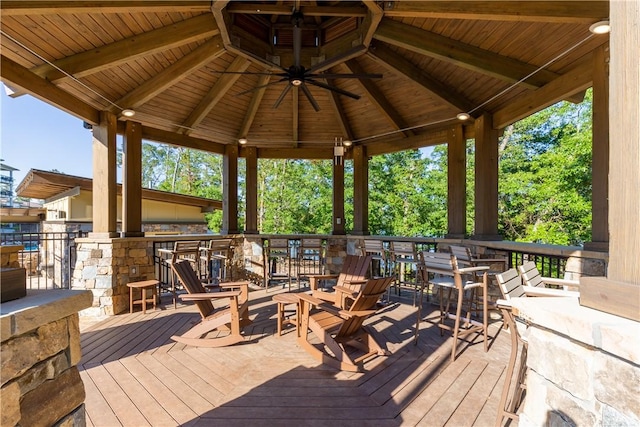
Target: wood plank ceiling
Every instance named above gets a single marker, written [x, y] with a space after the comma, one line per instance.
[182, 66]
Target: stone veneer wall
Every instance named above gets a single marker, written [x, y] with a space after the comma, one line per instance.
[104, 266]
[40, 348]
[584, 365]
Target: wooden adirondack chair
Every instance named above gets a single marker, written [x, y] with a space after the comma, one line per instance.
[230, 318]
[340, 331]
[348, 282]
[532, 277]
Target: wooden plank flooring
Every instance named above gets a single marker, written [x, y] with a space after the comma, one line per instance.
[135, 375]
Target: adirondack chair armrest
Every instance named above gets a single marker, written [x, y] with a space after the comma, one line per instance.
[314, 278]
[345, 290]
[560, 282]
[311, 299]
[534, 291]
[473, 269]
[209, 296]
[503, 303]
[232, 285]
[354, 282]
[346, 314]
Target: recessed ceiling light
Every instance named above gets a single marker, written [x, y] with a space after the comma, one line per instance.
[463, 116]
[601, 27]
[128, 112]
[242, 141]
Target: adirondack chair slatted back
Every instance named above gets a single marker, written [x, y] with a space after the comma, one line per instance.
[366, 300]
[510, 284]
[530, 274]
[354, 268]
[192, 284]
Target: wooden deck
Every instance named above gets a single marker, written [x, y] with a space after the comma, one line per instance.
[135, 375]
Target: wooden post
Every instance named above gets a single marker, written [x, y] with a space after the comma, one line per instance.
[230, 190]
[486, 178]
[338, 198]
[360, 191]
[624, 170]
[457, 183]
[600, 153]
[132, 181]
[251, 214]
[104, 177]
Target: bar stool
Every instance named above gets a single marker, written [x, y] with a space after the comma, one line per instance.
[277, 262]
[310, 258]
[216, 254]
[375, 249]
[144, 286]
[181, 250]
[405, 264]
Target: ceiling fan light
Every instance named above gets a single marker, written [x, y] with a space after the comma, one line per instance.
[242, 141]
[463, 116]
[601, 27]
[347, 143]
[127, 112]
[296, 82]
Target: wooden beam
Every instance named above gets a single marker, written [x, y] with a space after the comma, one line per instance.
[456, 183]
[525, 11]
[338, 198]
[219, 89]
[399, 64]
[360, 191]
[378, 99]
[371, 22]
[251, 211]
[131, 48]
[180, 140]
[295, 115]
[132, 181]
[575, 80]
[19, 7]
[104, 177]
[173, 74]
[296, 153]
[461, 54]
[341, 117]
[271, 9]
[486, 180]
[256, 100]
[16, 75]
[230, 190]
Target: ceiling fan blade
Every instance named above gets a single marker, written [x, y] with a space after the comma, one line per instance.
[261, 86]
[310, 97]
[284, 93]
[345, 76]
[333, 89]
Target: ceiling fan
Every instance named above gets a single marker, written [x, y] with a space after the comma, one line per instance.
[299, 76]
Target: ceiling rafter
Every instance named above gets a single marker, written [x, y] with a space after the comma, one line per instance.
[341, 117]
[172, 74]
[26, 7]
[16, 75]
[529, 11]
[215, 94]
[377, 98]
[254, 104]
[463, 55]
[270, 9]
[131, 48]
[396, 62]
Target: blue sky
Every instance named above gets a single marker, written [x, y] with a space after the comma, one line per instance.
[35, 135]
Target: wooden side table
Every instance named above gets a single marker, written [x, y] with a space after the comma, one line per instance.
[286, 316]
[144, 286]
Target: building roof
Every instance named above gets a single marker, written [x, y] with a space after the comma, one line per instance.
[46, 185]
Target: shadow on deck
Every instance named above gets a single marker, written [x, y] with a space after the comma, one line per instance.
[135, 375]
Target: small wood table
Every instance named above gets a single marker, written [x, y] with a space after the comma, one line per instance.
[144, 286]
[285, 316]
